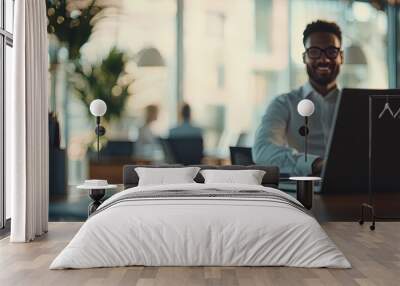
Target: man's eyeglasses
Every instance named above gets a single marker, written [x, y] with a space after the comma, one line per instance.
[316, 52]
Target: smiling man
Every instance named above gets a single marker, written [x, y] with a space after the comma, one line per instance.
[278, 141]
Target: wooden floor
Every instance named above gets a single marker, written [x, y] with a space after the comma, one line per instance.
[375, 257]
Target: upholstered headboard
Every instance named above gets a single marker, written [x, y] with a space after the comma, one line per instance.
[270, 179]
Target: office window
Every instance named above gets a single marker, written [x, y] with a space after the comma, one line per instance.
[144, 33]
[8, 72]
[2, 110]
[9, 15]
[215, 24]
[261, 52]
[221, 76]
[395, 57]
[364, 44]
[263, 27]
[6, 60]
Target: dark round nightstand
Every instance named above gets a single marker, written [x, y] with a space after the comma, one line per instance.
[96, 193]
[305, 190]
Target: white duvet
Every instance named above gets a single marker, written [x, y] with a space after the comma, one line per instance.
[200, 231]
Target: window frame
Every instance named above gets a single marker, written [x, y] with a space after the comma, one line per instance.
[6, 39]
[392, 11]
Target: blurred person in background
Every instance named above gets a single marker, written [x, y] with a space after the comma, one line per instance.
[147, 143]
[185, 129]
[278, 141]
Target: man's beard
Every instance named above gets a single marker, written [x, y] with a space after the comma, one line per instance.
[325, 79]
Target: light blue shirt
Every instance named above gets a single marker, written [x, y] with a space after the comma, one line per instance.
[278, 141]
[185, 130]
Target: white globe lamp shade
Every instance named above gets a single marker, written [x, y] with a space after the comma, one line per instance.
[305, 107]
[98, 107]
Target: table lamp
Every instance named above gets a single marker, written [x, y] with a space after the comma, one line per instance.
[98, 108]
[305, 108]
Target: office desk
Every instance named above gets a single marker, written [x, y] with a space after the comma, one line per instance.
[110, 169]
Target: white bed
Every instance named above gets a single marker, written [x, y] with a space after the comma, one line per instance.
[183, 230]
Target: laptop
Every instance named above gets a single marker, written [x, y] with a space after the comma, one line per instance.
[356, 136]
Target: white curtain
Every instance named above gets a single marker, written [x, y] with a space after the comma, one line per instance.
[27, 123]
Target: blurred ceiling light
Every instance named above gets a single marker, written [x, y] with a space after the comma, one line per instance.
[60, 19]
[150, 57]
[354, 55]
[116, 90]
[51, 12]
[361, 11]
[75, 14]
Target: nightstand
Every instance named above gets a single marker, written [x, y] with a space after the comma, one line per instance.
[96, 193]
[305, 190]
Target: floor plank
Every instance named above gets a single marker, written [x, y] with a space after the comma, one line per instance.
[375, 257]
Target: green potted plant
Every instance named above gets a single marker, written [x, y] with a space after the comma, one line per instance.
[71, 22]
[106, 80]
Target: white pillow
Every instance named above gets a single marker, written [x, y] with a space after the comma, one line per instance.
[248, 177]
[163, 176]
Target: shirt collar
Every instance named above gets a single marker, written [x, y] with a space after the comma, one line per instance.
[308, 89]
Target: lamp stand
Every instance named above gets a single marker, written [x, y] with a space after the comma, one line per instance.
[306, 138]
[304, 132]
[100, 131]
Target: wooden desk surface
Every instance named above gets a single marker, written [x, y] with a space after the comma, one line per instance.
[111, 169]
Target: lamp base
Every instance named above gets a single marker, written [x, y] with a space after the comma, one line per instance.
[305, 191]
[96, 195]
